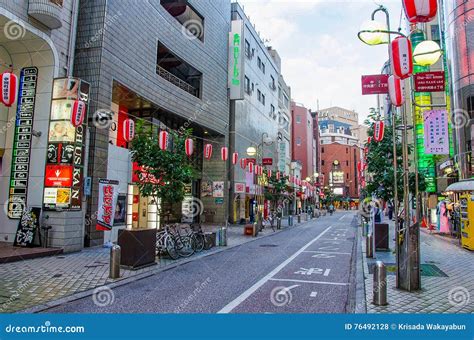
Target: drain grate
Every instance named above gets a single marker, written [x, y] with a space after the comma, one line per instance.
[269, 245]
[429, 270]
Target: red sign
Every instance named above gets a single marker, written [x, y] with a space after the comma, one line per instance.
[375, 84]
[58, 176]
[267, 161]
[430, 82]
[251, 160]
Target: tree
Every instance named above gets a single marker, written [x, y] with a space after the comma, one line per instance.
[275, 193]
[163, 175]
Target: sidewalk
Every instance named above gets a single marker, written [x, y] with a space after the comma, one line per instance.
[447, 278]
[29, 283]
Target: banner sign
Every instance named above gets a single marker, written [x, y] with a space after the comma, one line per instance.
[22, 142]
[375, 84]
[236, 60]
[218, 189]
[108, 196]
[267, 161]
[239, 188]
[436, 132]
[430, 81]
[66, 147]
[28, 229]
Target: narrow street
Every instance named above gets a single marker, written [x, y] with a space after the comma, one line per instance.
[301, 270]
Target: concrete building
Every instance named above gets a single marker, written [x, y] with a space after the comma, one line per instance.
[345, 116]
[254, 120]
[37, 39]
[303, 142]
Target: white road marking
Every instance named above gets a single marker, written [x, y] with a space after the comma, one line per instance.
[242, 297]
[307, 281]
[323, 256]
[313, 294]
[342, 217]
[326, 252]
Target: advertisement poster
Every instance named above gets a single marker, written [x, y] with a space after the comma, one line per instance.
[108, 198]
[206, 189]
[436, 132]
[218, 189]
[28, 228]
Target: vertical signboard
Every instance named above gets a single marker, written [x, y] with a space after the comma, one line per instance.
[22, 142]
[236, 60]
[108, 196]
[436, 132]
[65, 155]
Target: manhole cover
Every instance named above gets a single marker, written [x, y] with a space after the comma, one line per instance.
[429, 270]
[269, 245]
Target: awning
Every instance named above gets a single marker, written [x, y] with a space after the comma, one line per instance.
[467, 185]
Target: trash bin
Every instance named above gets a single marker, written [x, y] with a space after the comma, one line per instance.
[221, 237]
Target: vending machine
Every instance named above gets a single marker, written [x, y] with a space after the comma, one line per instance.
[467, 221]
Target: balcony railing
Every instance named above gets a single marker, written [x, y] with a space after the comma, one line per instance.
[48, 12]
[176, 81]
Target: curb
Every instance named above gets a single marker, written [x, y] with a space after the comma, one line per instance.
[361, 275]
[122, 282]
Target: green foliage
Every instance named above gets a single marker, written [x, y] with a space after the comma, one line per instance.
[171, 168]
[275, 193]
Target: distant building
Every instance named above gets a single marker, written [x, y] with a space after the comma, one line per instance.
[303, 142]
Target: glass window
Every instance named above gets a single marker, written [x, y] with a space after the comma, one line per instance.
[298, 141]
[263, 99]
[182, 13]
[247, 49]
[259, 95]
[259, 62]
[247, 85]
[298, 119]
[263, 68]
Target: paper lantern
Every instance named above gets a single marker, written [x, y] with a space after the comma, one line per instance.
[224, 153]
[269, 173]
[369, 140]
[420, 10]
[396, 90]
[401, 57]
[9, 88]
[257, 170]
[379, 130]
[243, 163]
[251, 167]
[189, 146]
[208, 151]
[128, 129]
[278, 175]
[163, 140]
[235, 158]
[79, 112]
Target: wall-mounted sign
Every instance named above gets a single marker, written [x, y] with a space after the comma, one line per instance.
[22, 142]
[66, 143]
[236, 60]
[436, 132]
[267, 161]
[375, 84]
[218, 189]
[108, 197]
[430, 81]
[239, 188]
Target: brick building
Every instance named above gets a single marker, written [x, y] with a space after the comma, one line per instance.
[303, 142]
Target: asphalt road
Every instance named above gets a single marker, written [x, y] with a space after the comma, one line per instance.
[305, 269]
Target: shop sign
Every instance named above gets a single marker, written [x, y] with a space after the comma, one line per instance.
[375, 84]
[28, 228]
[66, 145]
[236, 60]
[446, 164]
[430, 81]
[218, 189]
[108, 196]
[239, 188]
[267, 161]
[219, 201]
[436, 132]
[22, 142]
[251, 160]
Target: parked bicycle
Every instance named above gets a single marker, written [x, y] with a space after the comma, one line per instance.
[177, 241]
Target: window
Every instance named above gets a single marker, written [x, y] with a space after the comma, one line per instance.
[435, 34]
[347, 150]
[259, 95]
[247, 85]
[298, 119]
[347, 176]
[322, 162]
[298, 141]
[263, 68]
[247, 49]
[322, 149]
[259, 63]
[272, 111]
[263, 99]
[185, 14]
[272, 84]
[347, 163]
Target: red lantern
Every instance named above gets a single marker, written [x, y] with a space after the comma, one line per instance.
[369, 139]
[208, 151]
[278, 175]
[401, 57]
[379, 130]
[79, 112]
[8, 86]
[251, 167]
[420, 10]
[163, 140]
[235, 158]
[224, 153]
[269, 173]
[128, 129]
[396, 89]
[243, 163]
[257, 170]
[189, 147]
[260, 168]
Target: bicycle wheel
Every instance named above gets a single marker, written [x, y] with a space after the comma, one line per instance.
[170, 246]
[185, 246]
[198, 241]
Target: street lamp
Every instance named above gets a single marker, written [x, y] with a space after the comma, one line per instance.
[251, 151]
[427, 53]
[373, 33]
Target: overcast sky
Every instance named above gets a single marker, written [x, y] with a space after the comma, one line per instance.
[322, 58]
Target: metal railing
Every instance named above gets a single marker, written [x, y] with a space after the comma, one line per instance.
[176, 81]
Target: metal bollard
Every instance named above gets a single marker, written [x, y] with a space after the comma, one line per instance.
[114, 272]
[224, 237]
[369, 246]
[299, 218]
[278, 223]
[290, 221]
[380, 284]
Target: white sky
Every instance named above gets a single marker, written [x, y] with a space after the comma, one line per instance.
[322, 58]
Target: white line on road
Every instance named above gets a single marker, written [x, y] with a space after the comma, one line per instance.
[342, 217]
[307, 281]
[313, 294]
[234, 303]
[326, 252]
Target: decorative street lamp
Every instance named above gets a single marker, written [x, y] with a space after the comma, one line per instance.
[251, 151]
[373, 33]
[427, 53]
